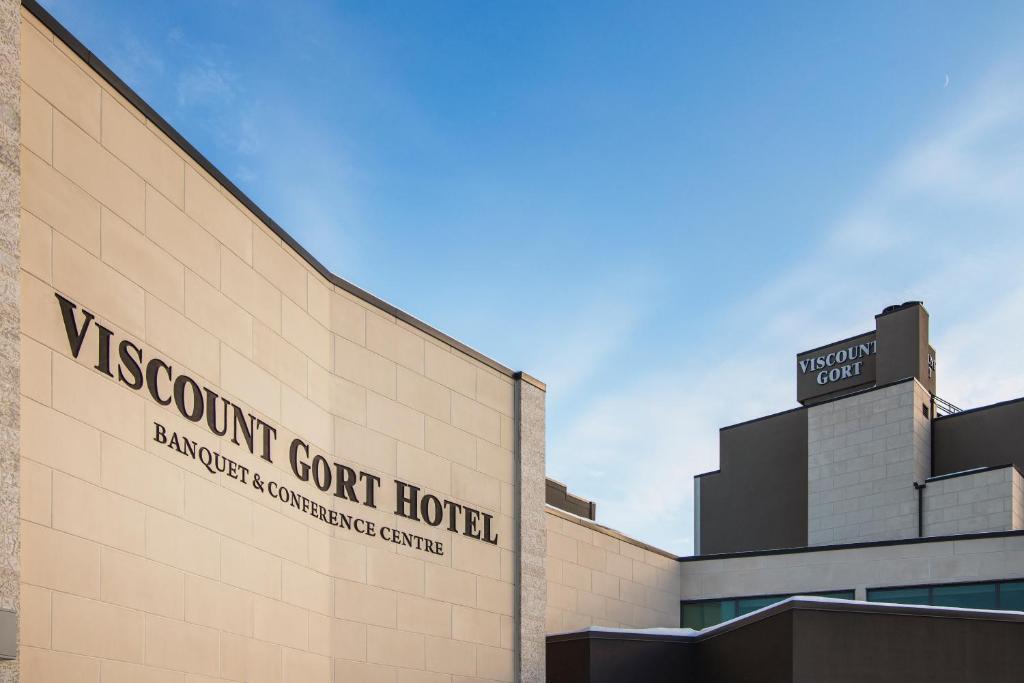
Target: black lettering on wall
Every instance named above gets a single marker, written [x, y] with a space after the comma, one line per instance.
[269, 433]
[406, 496]
[184, 388]
[193, 401]
[247, 423]
[321, 473]
[453, 509]
[103, 364]
[488, 536]
[132, 363]
[153, 368]
[431, 510]
[75, 336]
[211, 412]
[299, 469]
[470, 518]
[372, 484]
[346, 483]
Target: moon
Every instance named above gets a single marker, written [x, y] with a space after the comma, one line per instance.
[946, 84]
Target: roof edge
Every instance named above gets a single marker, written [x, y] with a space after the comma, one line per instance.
[608, 531]
[973, 470]
[792, 604]
[852, 546]
[123, 89]
[969, 411]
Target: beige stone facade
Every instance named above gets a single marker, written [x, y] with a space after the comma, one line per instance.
[599, 577]
[142, 563]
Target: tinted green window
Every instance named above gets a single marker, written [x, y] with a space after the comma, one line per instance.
[1011, 595]
[903, 596]
[747, 605]
[842, 595]
[711, 613]
[693, 616]
[1007, 595]
[974, 595]
[699, 615]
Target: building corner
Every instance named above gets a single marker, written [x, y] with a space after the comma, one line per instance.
[10, 328]
[532, 533]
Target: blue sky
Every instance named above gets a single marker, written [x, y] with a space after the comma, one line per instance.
[651, 206]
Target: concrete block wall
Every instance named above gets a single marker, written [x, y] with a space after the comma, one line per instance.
[864, 454]
[970, 503]
[878, 566]
[139, 564]
[597, 578]
[1017, 515]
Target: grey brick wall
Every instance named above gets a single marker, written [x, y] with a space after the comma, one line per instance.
[864, 454]
[984, 501]
[934, 562]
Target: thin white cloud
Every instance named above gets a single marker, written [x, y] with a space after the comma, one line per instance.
[279, 148]
[944, 222]
[135, 61]
[206, 84]
[579, 342]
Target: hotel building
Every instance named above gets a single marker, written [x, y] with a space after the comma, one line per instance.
[223, 462]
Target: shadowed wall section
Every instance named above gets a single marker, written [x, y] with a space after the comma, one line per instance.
[984, 437]
[804, 641]
[757, 500]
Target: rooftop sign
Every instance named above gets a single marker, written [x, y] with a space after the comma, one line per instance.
[839, 367]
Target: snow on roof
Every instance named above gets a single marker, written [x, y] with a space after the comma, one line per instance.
[689, 632]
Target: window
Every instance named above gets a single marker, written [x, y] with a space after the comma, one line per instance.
[903, 596]
[1007, 595]
[1011, 595]
[700, 614]
[748, 605]
[976, 595]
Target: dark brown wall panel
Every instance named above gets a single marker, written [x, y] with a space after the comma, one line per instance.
[985, 437]
[758, 499]
[761, 651]
[844, 646]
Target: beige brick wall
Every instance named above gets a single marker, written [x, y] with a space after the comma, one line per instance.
[599, 578]
[971, 503]
[138, 564]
